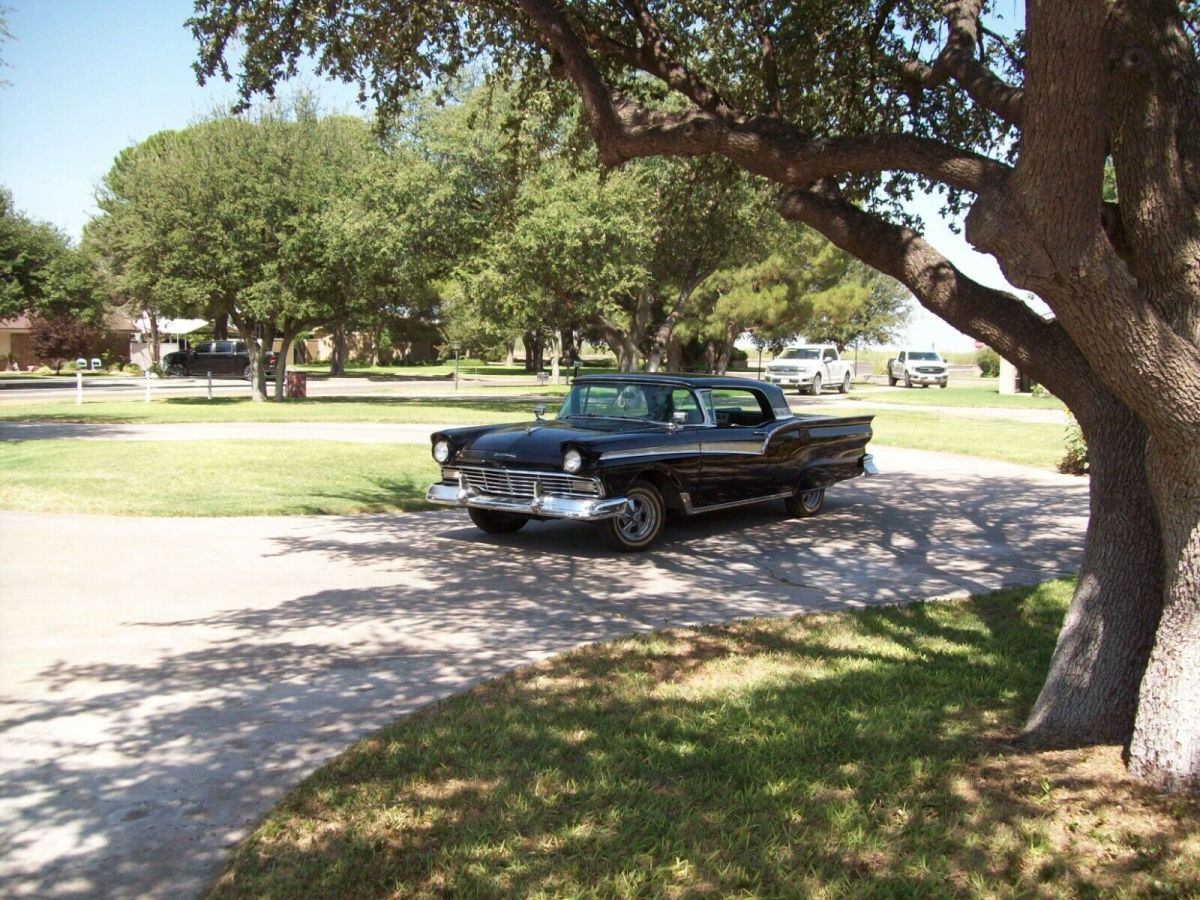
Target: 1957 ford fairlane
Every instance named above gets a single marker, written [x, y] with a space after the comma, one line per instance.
[625, 449]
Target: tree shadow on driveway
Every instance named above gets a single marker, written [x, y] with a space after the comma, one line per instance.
[132, 762]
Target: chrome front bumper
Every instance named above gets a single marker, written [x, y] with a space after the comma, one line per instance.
[548, 506]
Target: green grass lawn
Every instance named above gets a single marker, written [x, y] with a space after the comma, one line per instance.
[851, 755]
[980, 392]
[441, 371]
[213, 478]
[435, 410]
[1022, 443]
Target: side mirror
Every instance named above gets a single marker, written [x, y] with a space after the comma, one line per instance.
[539, 411]
[679, 418]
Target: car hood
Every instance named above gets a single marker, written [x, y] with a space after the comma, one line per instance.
[545, 442]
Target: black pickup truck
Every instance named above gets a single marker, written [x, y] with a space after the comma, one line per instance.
[218, 357]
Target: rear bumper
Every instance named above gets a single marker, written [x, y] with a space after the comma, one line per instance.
[545, 506]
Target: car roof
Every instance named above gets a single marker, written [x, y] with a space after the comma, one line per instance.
[693, 381]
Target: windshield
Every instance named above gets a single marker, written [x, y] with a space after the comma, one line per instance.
[800, 353]
[630, 400]
[925, 356]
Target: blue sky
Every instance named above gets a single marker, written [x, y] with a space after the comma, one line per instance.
[88, 78]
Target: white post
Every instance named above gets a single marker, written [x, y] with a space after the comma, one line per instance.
[147, 385]
[78, 388]
[210, 385]
[1008, 377]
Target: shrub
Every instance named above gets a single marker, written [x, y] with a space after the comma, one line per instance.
[61, 338]
[1075, 460]
[988, 361]
[131, 369]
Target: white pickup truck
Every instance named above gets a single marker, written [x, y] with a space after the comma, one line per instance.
[809, 368]
[924, 367]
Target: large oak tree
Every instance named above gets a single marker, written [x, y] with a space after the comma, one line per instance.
[845, 104]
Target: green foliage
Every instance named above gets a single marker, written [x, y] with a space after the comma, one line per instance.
[988, 361]
[1075, 457]
[281, 220]
[40, 271]
[60, 338]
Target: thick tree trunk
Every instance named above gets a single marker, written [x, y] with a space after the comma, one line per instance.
[337, 358]
[621, 344]
[555, 356]
[534, 351]
[155, 350]
[1091, 691]
[285, 346]
[674, 355]
[221, 327]
[248, 329]
[1165, 749]
[570, 350]
[510, 353]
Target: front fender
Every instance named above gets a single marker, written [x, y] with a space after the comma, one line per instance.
[673, 479]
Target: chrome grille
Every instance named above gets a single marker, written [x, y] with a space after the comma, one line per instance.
[782, 370]
[929, 370]
[514, 483]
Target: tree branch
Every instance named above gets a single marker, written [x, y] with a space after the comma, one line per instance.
[1035, 345]
[766, 146]
[958, 60]
[770, 65]
[658, 61]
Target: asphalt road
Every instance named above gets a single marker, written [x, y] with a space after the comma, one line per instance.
[163, 682]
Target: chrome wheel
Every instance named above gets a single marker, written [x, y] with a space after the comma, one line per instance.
[806, 503]
[815, 390]
[845, 388]
[642, 521]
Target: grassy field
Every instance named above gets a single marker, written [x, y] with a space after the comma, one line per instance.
[983, 392]
[1022, 443]
[213, 478]
[435, 410]
[851, 755]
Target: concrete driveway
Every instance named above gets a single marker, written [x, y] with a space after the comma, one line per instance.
[163, 682]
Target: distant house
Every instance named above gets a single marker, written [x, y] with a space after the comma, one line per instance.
[413, 341]
[16, 348]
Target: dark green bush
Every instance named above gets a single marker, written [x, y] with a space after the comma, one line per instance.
[988, 361]
[1075, 460]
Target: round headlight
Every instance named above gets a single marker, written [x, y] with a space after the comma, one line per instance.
[441, 450]
[572, 461]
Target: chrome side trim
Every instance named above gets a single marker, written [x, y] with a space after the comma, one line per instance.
[649, 451]
[689, 509]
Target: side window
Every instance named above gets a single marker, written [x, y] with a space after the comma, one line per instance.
[223, 347]
[206, 347]
[738, 407]
[900, 358]
[684, 401]
[830, 356]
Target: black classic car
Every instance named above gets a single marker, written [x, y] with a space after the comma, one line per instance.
[218, 357]
[625, 449]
